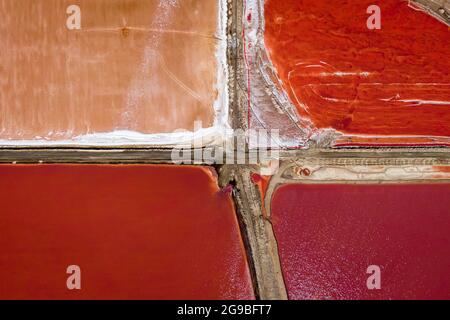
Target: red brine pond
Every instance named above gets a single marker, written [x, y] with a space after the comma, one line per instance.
[330, 236]
[135, 232]
[391, 82]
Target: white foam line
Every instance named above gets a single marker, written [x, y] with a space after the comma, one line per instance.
[421, 102]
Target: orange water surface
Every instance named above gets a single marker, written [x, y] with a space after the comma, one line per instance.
[389, 82]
